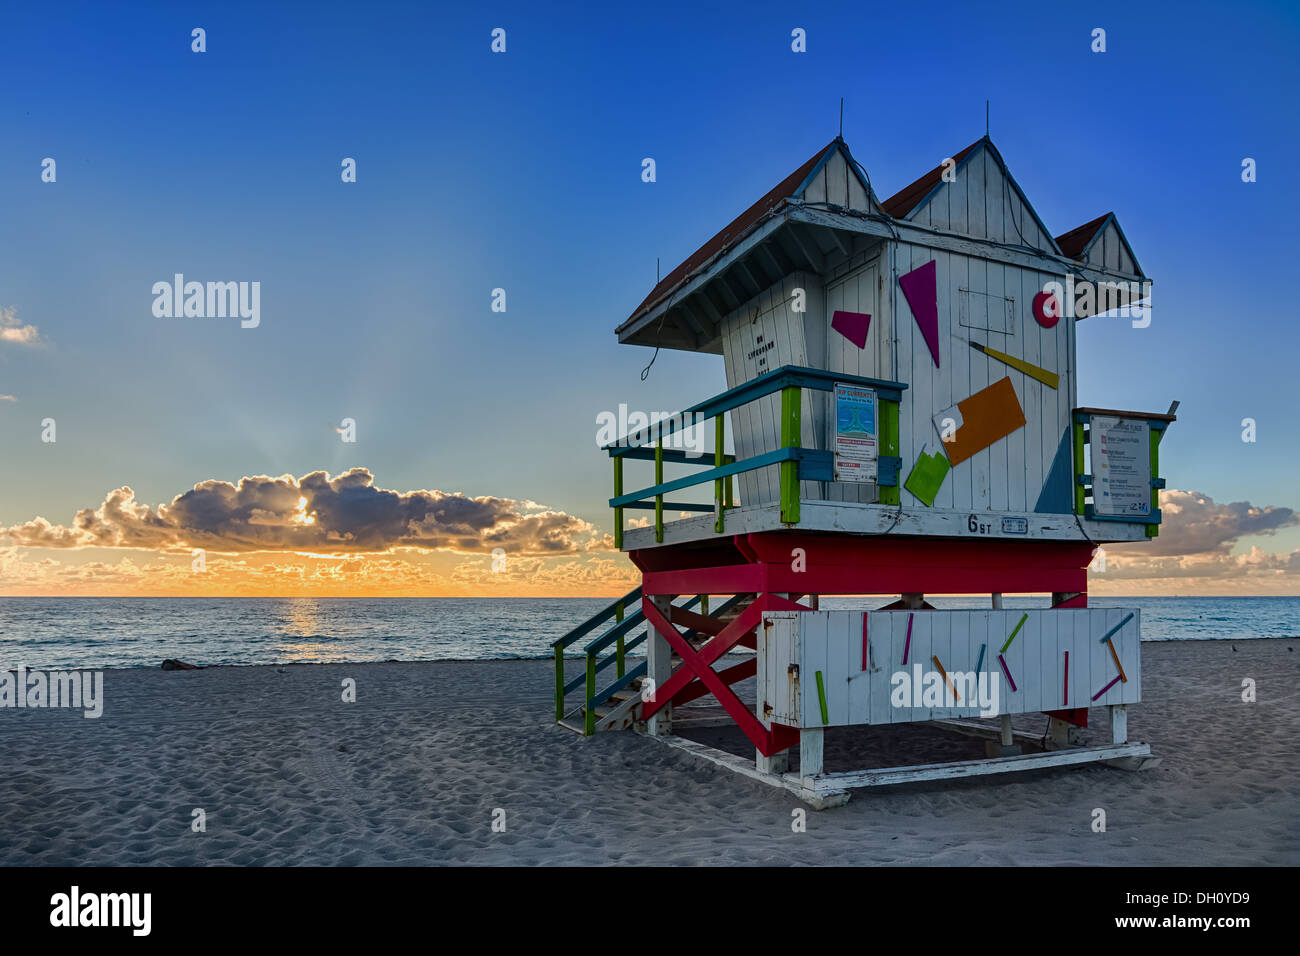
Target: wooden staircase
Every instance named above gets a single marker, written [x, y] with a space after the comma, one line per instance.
[616, 713]
[615, 706]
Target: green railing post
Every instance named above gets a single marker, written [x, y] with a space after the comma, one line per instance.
[589, 712]
[888, 494]
[790, 416]
[618, 619]
[659, 499]
[1156, 434]
[1078, 468]
[704, 604]
[618, 512]
[559, 683]
[719, 437]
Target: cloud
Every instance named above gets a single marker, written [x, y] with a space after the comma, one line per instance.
[13, 331]
[1194, 524]
[8, 398]
[1194, 551]
[592, 576]
[346, 514]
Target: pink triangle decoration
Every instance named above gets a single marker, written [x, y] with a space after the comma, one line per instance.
[919, 286]
[853, 326]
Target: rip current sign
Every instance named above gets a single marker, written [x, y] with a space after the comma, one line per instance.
[856, 447]
[1121, 464]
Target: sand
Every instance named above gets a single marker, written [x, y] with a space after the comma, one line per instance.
[411, 773]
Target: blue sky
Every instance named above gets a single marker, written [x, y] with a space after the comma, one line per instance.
[522, 171]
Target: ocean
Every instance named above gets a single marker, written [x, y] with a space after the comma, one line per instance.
[43, 633]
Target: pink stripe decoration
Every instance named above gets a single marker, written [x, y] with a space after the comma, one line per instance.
[1065, 691]
[908, 646]
[1010, 680]
[864, 640]
[1106, 688]
[853, 326]
[919, 287]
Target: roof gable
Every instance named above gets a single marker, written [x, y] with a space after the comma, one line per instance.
[1101, 243]
[813, 178]
[1074, 242]
[982, 199]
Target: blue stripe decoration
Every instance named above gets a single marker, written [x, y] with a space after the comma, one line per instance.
[1057, 496]
[1115, 630]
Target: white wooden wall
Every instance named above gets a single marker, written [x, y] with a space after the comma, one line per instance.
[755, 427]
[1009, 474]
[831, 642]
[1006, 477]
[859, 290]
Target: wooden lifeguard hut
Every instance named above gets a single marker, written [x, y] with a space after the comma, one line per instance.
[902, 384]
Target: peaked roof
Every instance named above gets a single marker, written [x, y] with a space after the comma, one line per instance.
[735, 230]
[907, 202]
[903, 204]
[1075, 242]
[909, 197]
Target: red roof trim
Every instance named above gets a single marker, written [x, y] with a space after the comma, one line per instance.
[732, 232]
[1073, 243]
[908, 198]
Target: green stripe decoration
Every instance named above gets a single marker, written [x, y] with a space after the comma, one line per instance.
[1116, 629]
[927, 475]
[821, 698]
[1023, 618]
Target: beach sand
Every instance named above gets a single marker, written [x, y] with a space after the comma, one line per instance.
[411, 773]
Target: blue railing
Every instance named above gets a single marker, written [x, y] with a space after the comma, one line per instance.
[616, 635]
[795, 462]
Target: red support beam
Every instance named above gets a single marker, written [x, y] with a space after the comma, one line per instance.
[861, 564]
[737, 672]
[727, 639]
[727, 579]
[759, 735]
[698, 622]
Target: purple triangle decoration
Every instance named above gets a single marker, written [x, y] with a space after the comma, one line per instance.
[919, 286]
[852, 325]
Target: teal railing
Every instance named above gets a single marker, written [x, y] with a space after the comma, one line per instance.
[795, 462]
[620, 625]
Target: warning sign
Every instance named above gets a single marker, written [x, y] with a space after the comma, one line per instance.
[855, 433]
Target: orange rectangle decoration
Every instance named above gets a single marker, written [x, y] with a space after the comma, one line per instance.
[988, 415]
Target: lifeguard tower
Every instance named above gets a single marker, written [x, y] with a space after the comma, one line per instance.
[902, 405]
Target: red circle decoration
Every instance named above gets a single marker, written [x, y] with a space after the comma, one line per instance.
[1047, 309]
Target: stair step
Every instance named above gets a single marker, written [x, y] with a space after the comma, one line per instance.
[575, 726]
